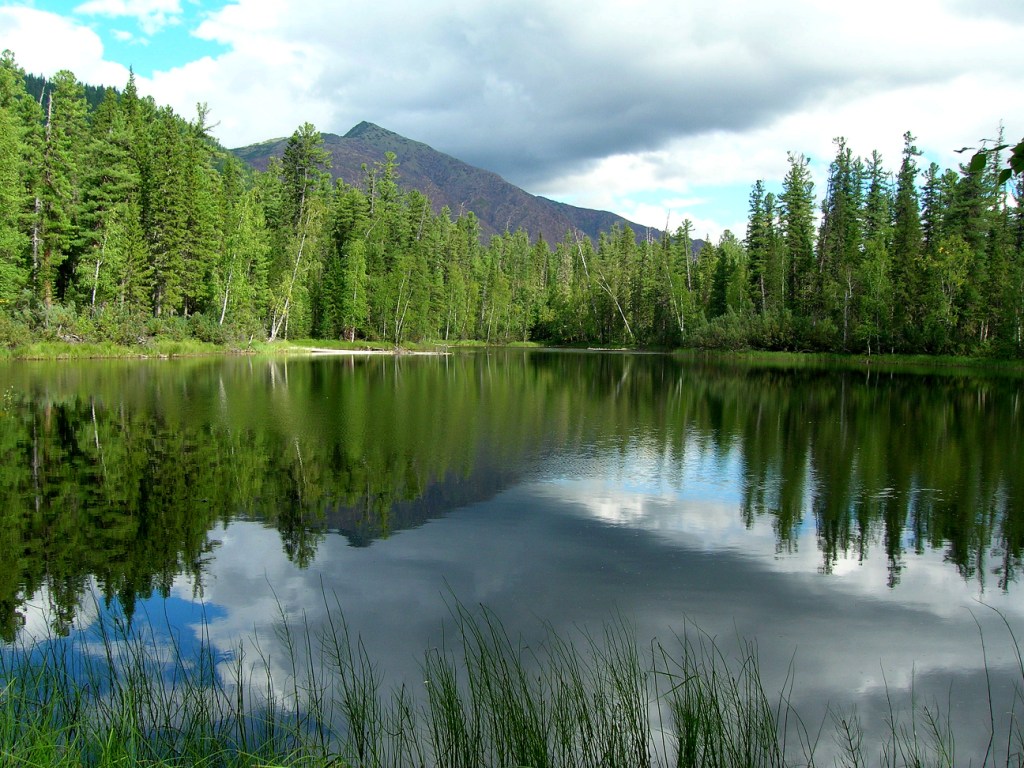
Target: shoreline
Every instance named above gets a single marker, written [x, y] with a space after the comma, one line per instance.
[332, 351]
[178, 349]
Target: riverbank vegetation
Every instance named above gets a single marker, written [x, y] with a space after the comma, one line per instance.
[120, 222]
[118, 694]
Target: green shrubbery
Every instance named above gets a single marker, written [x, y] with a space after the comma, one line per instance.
[63, 330]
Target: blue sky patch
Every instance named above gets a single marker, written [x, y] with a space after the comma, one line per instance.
[148, 40]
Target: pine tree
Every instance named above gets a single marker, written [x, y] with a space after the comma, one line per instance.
[14, 271]
[303, 181]
[875, 302]
[797, 222]
[667, 277]
[111, 181]
[24, 119]
[59, 208]
[202, 212]
[908, 276]
[840, 238]
[760, 238]
[130, 271]
[167, 219]
[1014, 305]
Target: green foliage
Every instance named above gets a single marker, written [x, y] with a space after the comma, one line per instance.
[116, 202]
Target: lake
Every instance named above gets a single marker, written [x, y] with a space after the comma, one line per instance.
[864, 527]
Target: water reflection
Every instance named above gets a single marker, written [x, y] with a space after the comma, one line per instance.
[853, 520]
[120, 471]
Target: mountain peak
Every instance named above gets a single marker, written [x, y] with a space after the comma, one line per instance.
[449, 182]
[365, 130]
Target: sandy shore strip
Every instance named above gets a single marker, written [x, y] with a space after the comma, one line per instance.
[316, 351]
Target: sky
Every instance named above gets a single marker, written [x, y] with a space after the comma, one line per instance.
[656, 110]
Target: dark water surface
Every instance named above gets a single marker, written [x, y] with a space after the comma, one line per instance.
[856, 524]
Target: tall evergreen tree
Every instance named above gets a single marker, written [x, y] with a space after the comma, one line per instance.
[908, 274]
[14, 271]
[840, 239]
[303, 179]
[127, 279]
[875, 303]
[167, 214]
[111, 181]
[59, 208]
[797, 220]
[760, 237]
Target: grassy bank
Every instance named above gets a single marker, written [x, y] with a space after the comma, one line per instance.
[873, 363]
[119, 697]
[169, 347]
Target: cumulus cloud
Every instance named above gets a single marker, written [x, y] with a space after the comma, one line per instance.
[151, 15]
[45, 43]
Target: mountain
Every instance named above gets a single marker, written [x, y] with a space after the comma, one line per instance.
[450, 182]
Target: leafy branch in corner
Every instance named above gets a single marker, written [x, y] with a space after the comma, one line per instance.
[1015, 165]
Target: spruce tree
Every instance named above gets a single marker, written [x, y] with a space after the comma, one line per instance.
[875, 301]
[303, 182]
[111, 181]
[759, 243]
[167, 222]
[797, 222]
[908, 275]
[14, 268]
[840, 239]
[59, 208]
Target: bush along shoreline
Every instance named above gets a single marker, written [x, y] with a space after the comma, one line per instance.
[116, 694]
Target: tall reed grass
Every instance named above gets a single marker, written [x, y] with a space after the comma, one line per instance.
[120, 695]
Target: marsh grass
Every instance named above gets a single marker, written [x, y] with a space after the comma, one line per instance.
[60, 350]
[120, 695]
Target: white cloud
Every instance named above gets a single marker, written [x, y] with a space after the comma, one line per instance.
[44, 43]
[151, 15]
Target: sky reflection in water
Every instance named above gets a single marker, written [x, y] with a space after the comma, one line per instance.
[644, 523]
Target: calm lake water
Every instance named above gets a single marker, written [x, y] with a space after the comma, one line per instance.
[858, 525]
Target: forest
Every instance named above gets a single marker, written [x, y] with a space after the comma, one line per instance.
[121, 221]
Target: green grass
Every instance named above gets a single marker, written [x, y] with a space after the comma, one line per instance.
[115, 697]
[59, 350]
[879, 363]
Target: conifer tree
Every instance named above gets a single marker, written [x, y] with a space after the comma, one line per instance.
[875, 303]
[797, 224]
[840, 239]
[678, 269]
[129, 273]
[59, 208]
[167, 222]
[908, 276]
[202, 197]
[303, 180]
[759, 236]
[111, 181]
[239, 272]
[14, 272]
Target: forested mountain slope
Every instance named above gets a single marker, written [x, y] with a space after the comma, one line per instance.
[448, 182]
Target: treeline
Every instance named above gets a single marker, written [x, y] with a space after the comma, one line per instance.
[123, 221]
[895, 264]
